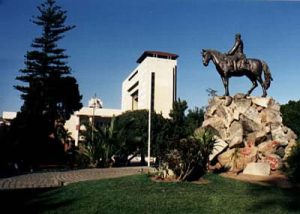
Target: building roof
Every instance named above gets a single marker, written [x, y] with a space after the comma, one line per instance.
[7, 115]
[158, 54]
[99, 112]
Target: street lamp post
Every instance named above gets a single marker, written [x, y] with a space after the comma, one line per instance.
[149, 118]
[93, 117]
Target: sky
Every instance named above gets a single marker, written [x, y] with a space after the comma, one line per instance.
[110, 35]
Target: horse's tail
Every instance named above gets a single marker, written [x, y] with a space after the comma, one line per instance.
[267, 73]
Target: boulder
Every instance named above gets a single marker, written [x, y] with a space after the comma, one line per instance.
[219, 147]
[280, 151]
[226, 158]
[250, 129]
[217, 124]
[288, 148]
[235, 134]
[246, 155]
[274, 161]
[236, 159]
[210, 111]
[279, 136]
[268, 147]
[261, 136]
[249, 125]
[242, 104]
[274, 105]
[271, 116]
[261, 101]
[262, 169]
[252, 114]
[228, 101]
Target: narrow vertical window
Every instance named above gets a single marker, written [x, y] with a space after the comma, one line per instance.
[134, 100]
[174, 83]
[152, 90]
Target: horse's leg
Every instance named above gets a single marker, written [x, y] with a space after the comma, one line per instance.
[254, 85]
[226, 85]
[223, 81]
[262, 86]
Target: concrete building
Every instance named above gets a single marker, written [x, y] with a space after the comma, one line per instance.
[152, 84]
[7, 117]
[94, 113]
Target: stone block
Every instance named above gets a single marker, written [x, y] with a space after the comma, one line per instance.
[268, 147]
[279, 136]
[235, 132]
[249, 125]
[274, 161]
[288, 148]
[271, 116]
[262, 169]
[261, 101]
[218, 124]
[219, 146]
[252, 114]
[274, 105]
[225, 159]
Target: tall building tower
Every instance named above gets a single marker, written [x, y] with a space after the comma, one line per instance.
[152, 84]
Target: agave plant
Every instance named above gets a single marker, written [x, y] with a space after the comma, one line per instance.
[190, 157]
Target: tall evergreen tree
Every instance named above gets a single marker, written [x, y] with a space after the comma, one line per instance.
[291, 115]
[178, 120]
[50, 94]
[194, 119]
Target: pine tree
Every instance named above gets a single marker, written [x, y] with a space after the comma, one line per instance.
[50, 90]
[50, 94]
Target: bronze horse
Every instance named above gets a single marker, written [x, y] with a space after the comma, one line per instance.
[252, 69]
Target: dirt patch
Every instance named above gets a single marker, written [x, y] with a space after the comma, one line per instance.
[201, 181]
[276, 178]
[158, 179]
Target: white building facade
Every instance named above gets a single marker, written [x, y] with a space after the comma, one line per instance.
[7, 117]
[152, 84]
[94, 113]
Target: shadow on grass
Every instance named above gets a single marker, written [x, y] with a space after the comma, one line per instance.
[275, 198]
[30, 201]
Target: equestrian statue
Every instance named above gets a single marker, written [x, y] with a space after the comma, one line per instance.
[235, 63]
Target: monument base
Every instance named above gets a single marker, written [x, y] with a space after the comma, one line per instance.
[248, 129]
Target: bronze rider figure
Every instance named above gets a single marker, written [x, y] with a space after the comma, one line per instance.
[237, 52]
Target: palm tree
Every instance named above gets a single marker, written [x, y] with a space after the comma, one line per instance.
[101, 143]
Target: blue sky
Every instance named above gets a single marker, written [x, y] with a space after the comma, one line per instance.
[111, 35]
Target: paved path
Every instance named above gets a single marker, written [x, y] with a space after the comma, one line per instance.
[56, 179]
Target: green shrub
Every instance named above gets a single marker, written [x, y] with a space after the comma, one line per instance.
[190, 155]
[291, 115]
[293, 169]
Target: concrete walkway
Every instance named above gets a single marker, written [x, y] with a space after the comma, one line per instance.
[57, 179]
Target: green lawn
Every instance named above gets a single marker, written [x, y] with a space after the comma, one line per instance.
[138, 194]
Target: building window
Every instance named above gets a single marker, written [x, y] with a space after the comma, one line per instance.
[152, 91]
[135, 73]
[133, 86]
[174, 83]
[135, 100]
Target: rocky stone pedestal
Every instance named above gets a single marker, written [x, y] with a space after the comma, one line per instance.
[248, 129]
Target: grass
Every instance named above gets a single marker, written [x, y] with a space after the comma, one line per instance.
[138, 194]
